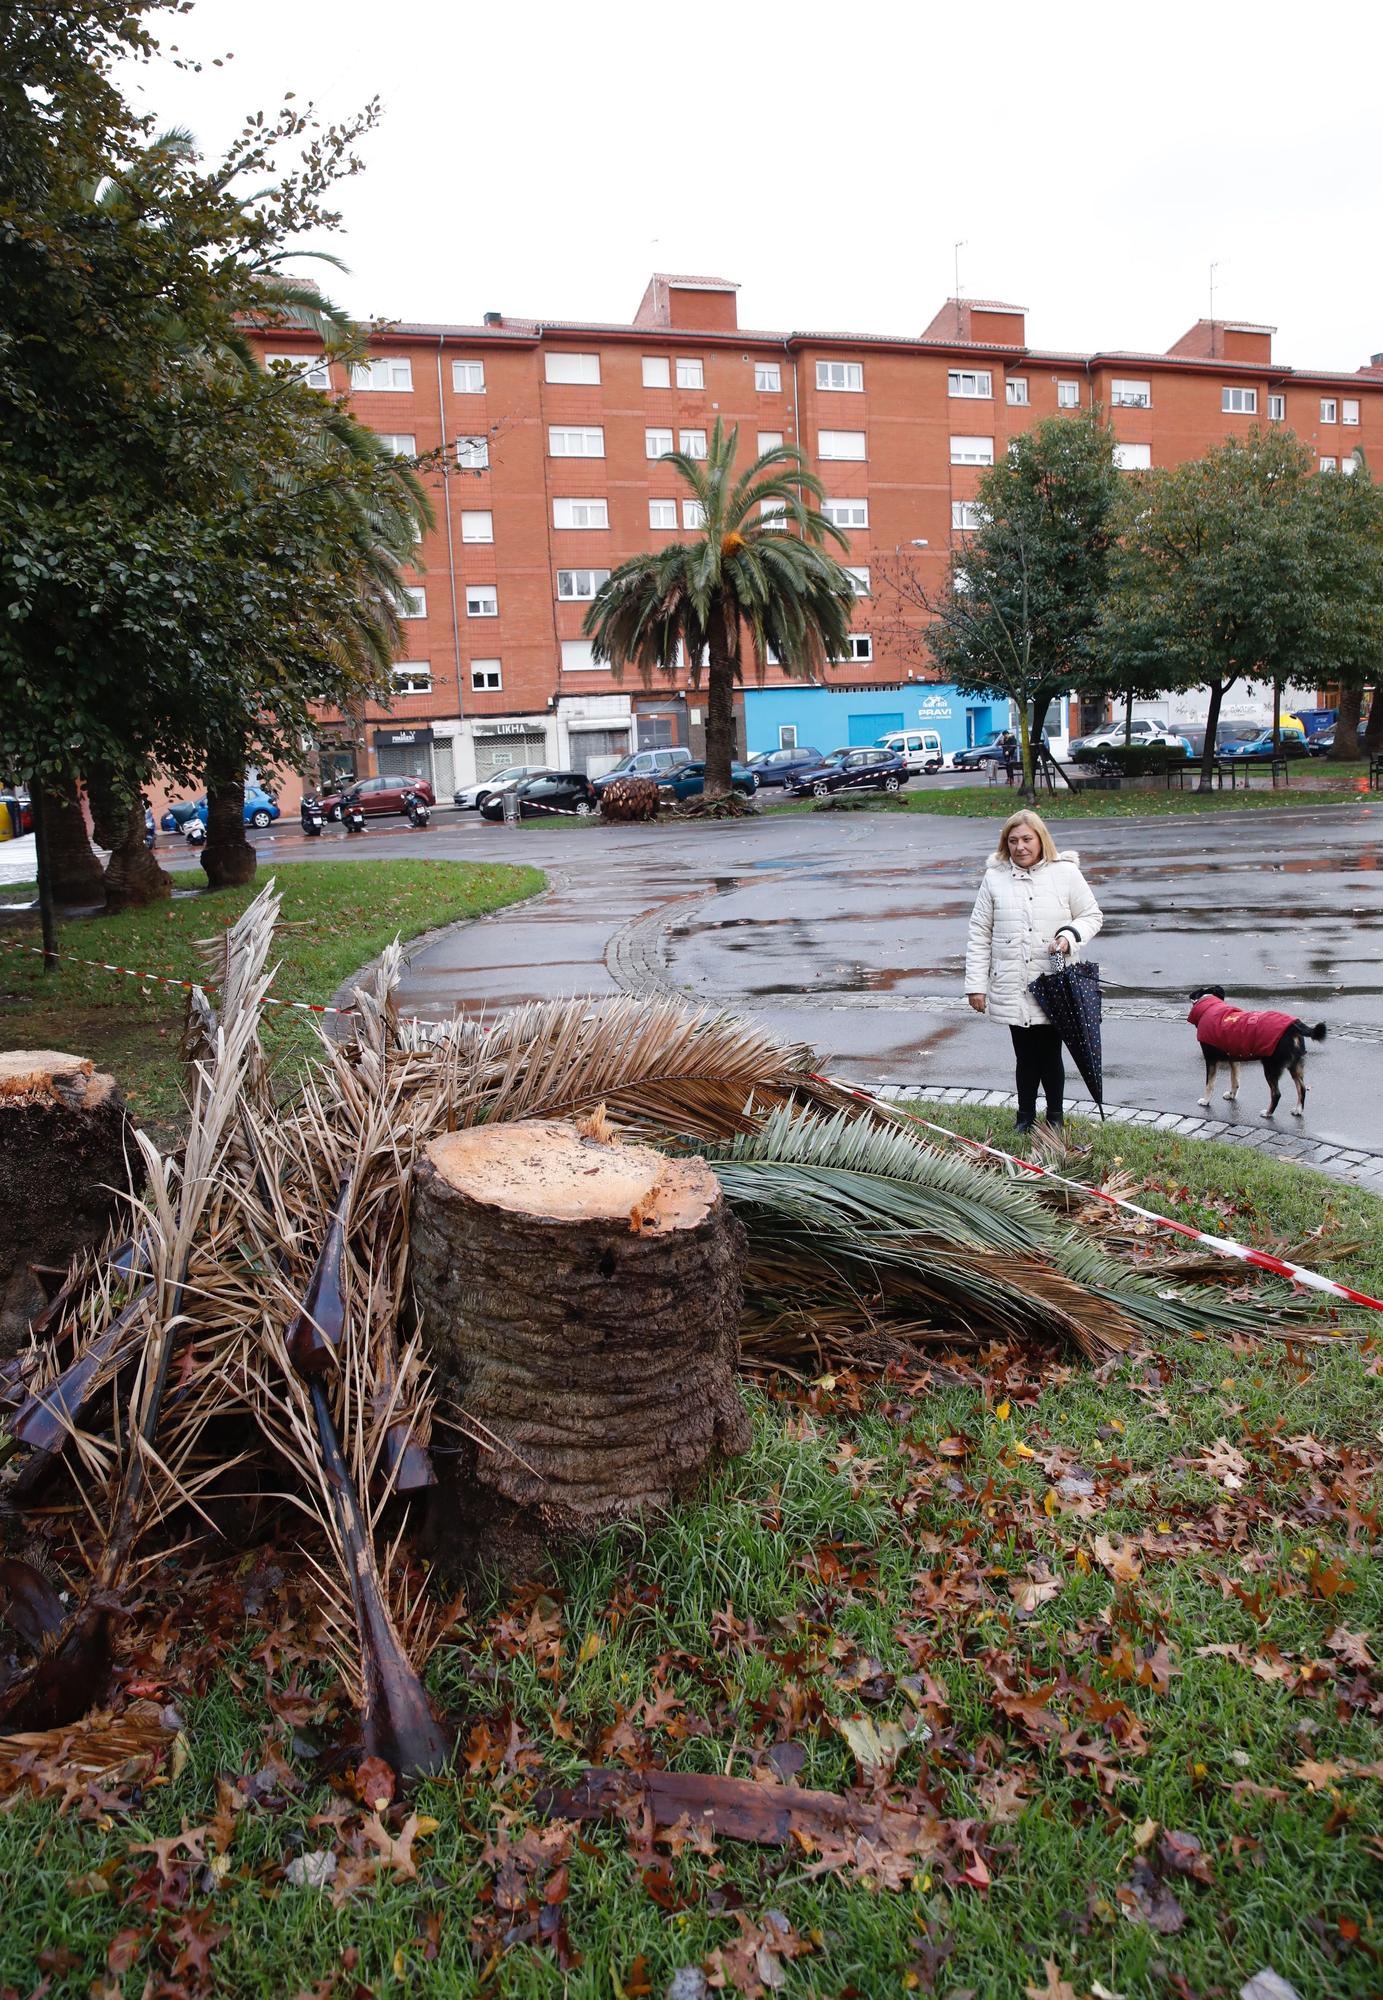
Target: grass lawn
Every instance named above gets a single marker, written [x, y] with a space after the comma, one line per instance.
[1127, 1624]
[336, 916]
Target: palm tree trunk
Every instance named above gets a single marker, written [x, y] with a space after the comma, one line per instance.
[1346, 746]
[1373, 735]
[228, 857]
[720, 716]
[74, 873]
[133, 877]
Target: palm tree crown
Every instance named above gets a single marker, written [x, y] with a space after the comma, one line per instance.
[760, 572]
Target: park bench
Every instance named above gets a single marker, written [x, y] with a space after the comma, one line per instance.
[1376, 771]
[1234, 768]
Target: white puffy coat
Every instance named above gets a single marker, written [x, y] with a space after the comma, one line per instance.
[1016, 915]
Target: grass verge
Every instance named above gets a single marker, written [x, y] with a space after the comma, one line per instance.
[336, 916]
[1125, 1623]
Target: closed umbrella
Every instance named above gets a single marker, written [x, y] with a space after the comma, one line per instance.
[1070, 998]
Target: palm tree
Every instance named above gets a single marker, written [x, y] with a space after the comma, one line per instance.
[759, 573]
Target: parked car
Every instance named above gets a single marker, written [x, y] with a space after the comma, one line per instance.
[376, 796]
[780, 767]
[1323, 743]
[920, 749]
[1145, 732]
[559, 791]
[473, 797]
[1314, 720]
[688, 781]
[1227, 733]
[644, 764]
[852, 770]
[260, 809]
[977, 755]
[1293, 744]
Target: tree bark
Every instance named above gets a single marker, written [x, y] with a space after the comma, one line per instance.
[228, 857]
[64, 1144]
[74, 873]
[1346, 746]
[133, 877]
[1212, 730]
[581, 1300]
[720, 716]
[1373, 735]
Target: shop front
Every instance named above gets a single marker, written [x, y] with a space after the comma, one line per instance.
[405, 753]
[499, 744]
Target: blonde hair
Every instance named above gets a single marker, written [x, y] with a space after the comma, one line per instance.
[1038, 826]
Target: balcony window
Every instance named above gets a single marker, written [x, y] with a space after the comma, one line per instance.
[692, 444]
[657, 374]
[859, 647]
[693, 515]
[1068, 395]
[859, 577]
[575, 441]
[966, 516]
[315, 371]
[1130, 395]
[769, 441]
[972, 451]
[413, 677]
[414, 604]
[1133, 457]
[399, 444]
[1277, 409]
[487, 676]
[579, 586]
[1349, 410]
[662, 513]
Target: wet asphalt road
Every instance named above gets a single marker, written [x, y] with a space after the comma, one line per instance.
[847, 931]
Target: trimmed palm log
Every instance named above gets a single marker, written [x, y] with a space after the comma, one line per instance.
[65, 1146]
[581, 1299]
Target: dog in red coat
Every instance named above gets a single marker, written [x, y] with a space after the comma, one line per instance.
[1229, 1034]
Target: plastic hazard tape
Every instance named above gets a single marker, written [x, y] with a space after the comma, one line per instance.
[162, 979]
[1226, 1246]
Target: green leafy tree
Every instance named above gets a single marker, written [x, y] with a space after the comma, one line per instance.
[1220, 573]
[1018, 614]
[752, 583]
[1345, 527]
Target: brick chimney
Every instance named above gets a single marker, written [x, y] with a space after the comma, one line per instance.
[704, 305]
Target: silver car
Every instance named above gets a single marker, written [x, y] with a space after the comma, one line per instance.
[470, 798]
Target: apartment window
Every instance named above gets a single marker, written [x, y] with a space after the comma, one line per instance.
[1016, 389]
[390, 371]
[575, 441]
[846, 513]
[473, 453]
[1329, 465]
[1329, 410]
[693, 515]
[655, 443]
[769, 441]
[1349, 466]
[859, 647]
[316, 373]
[1239, 402]
[972, 451]
[969, 382]
[692, 444]
[966, 516]
[859, 577]
[656, 372]
[1277, 409]
[580, 585]
[468, 377]
[413, 677]
[1131, 395]
[1349, 410]
[1068, 395]
[774, 512]
[580, 513]
[482, 600]
[690, 372]
[840, 444]
[414, 604]
[839, 375]
[577, 658]
[477, 527]
[486, 676]
[561, 367]
[662, 513]
[768, 378]
[402, 444]
[1133, 457]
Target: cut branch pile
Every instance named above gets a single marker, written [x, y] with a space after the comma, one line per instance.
[250, 1339]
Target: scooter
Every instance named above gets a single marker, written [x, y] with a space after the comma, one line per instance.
[353, 815]
[311, 812]
[416, 809]
[194, 832]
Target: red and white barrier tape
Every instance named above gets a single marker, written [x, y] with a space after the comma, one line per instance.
[1226, 1246]
[183, 985]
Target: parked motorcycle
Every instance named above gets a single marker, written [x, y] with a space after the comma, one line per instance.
[417, 810]
[311, 813]
[194, 832]
[353, 816]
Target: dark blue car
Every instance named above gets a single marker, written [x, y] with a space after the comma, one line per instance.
[850, 770]
[780, 767]
[688, 781]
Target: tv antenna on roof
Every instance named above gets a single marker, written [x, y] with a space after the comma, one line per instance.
[1213, 269]
[956, 249]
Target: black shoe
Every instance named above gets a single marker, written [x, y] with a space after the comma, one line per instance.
[1024, 1126]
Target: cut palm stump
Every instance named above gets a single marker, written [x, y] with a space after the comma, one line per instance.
[581, 1300]
[65, 1147]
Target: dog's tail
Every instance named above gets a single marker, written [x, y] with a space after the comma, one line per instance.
[1316, 1034]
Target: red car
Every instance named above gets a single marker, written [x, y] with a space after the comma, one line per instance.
[377, 795]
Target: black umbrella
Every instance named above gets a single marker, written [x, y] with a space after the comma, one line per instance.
[1070, 998]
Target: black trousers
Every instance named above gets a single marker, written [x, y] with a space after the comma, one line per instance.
[1038, 1053]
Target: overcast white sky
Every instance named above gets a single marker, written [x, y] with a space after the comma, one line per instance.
[544, 159]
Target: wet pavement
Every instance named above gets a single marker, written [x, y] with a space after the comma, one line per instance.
[848, 931]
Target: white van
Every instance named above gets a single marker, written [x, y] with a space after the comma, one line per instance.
[921, 747]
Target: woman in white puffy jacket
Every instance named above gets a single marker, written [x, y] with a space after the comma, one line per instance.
[1032, 902]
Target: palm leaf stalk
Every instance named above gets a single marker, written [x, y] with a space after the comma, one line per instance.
[758, 581]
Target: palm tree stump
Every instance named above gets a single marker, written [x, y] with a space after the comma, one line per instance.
[65, 1145]
[581, 1300]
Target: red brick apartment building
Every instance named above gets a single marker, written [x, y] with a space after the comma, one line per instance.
[557, 428]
